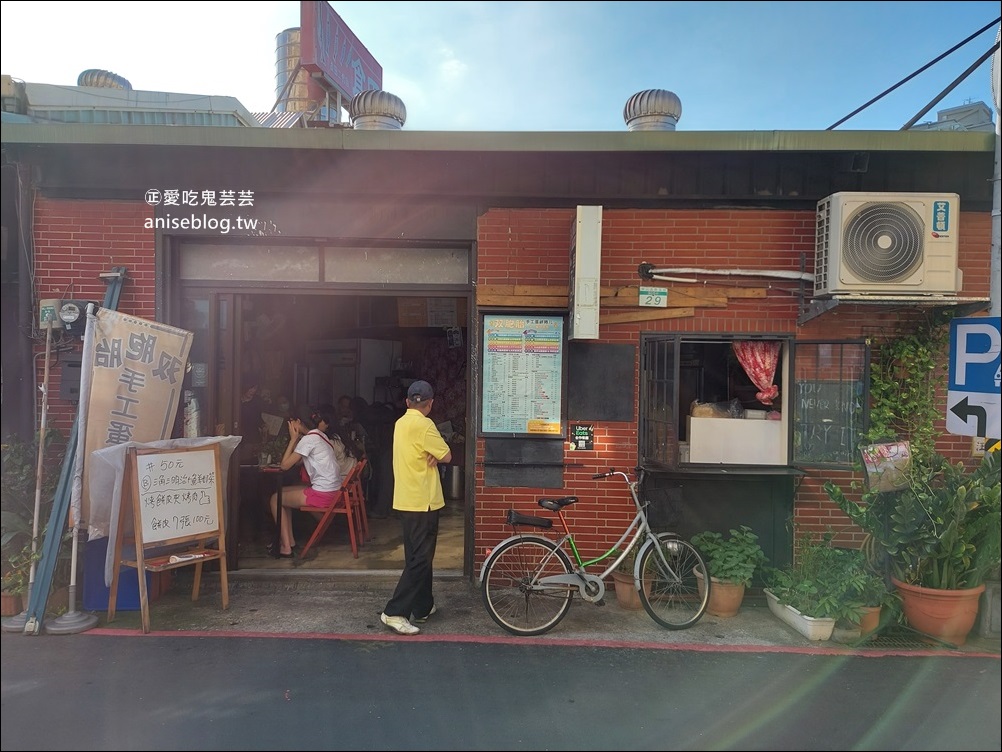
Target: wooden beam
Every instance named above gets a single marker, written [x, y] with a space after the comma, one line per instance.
[647, 314]
[674, 301]
[526, 301]
[555, 296]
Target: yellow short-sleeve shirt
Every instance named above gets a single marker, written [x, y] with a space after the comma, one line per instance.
[416, 486]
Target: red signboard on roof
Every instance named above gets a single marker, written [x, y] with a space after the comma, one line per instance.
[329, 48]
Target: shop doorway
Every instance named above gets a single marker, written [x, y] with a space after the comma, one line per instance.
[314, 347]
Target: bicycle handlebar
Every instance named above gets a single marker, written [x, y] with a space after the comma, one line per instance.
[612, 471]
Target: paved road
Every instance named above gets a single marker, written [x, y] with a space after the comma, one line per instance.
[234, 691]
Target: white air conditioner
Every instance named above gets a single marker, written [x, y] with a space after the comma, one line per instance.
[887, 244]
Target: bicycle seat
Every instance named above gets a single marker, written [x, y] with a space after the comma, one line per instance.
[555, 505]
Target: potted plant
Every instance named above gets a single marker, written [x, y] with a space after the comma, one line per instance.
[823, 586]
[940, 537]
[938, 533]
[731, 562]
[626, 590]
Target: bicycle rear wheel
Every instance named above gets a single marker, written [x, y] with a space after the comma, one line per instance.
[509, 589]
[670, 594]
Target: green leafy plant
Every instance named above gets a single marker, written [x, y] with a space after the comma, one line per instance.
[18, 477]
[732, 559]
[826, 581]
[17, 570]
[943, 530]
[906, 375]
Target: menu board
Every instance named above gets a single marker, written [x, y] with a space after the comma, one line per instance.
[523, 375]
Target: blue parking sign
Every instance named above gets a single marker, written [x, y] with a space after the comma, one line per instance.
[973, 403]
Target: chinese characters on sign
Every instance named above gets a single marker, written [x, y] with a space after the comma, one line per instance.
[179, 197]
[135, 380]
[177, 494]
[523, 371]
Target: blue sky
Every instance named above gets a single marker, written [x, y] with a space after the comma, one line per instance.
[544, 66]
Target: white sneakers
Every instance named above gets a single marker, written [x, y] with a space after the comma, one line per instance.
[423, 619]
[399, 624]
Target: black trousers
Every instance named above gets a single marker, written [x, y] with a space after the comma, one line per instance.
[413, 592]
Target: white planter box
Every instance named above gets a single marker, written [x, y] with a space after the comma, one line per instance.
[808, 626]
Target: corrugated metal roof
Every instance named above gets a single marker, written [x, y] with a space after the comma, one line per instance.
[281, 119]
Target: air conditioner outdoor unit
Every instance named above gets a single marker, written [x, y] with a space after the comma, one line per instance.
[887, 244]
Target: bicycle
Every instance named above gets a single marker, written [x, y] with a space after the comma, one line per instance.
[528, 580]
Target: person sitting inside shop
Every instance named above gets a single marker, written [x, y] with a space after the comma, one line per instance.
[309, 445]
[346, 451]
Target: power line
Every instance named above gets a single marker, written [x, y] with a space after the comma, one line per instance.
[920, 70]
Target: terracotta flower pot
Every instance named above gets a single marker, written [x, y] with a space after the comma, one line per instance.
[10, 604]
[870, 620]
[725, 597]
[626, 594]
[948, 615]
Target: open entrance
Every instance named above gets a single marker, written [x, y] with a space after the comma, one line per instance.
[261, 352]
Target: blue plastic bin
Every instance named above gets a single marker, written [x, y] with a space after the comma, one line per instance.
[95, 593]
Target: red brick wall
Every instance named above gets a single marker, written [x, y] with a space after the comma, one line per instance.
[75, 241]
[530, 247]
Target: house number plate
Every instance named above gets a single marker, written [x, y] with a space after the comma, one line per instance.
[654, 297]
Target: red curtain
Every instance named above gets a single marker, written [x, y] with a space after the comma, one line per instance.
[759, 360]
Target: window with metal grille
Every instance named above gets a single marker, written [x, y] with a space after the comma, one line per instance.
[818, 418]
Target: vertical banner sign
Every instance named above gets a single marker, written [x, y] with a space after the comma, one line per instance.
[972, 400]
[523, 375]
[135, 382]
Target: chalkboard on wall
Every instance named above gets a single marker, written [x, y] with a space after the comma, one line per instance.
[600, 381]
[827, 421]
[526, 463]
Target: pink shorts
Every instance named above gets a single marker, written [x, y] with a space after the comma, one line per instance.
[316, 498]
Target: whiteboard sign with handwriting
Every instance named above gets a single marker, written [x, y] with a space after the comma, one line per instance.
[178, 494]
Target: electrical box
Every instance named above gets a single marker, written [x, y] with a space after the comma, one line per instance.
[585, 282]
[73, 314]
[69, 381]
[48, 313]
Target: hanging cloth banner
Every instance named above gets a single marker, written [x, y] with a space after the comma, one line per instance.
[134, 369]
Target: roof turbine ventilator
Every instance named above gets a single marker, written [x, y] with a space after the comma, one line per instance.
[103, 79]
[377, 110]
[652, 110]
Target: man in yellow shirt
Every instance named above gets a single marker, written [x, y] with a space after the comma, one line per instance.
[418, 447]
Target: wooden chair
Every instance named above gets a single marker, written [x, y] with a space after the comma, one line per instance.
[356, 496]
[342, 505]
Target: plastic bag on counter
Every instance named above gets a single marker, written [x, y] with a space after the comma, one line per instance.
[732, 409]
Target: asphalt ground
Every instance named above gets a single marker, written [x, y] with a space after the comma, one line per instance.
[220, 691]
[347, 605]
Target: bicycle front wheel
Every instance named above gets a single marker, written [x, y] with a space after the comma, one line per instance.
[670, 590]
[511, 590]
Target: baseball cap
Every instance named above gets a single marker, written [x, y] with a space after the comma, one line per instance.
[419, 391]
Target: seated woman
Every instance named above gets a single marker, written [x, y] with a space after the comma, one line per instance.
[346, 451]
[309, 445]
